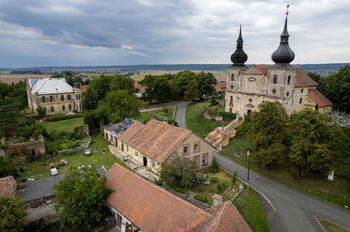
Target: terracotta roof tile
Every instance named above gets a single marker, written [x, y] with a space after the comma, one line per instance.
[220, 86]
[318, 98]
[262, 68]
[131, 131]
[148, 206]
[157, 140]
[8, 185]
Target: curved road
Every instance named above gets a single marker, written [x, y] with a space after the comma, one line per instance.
[291, 210]
[181, 114]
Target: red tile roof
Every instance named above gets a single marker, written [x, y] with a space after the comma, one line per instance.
[318, 98]
[139, 86]
[157, 140]
[152, 208]
[220, 86]
[302, 79]
[8, 185]
[84, 88]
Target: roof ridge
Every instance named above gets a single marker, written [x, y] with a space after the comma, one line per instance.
[149, 183]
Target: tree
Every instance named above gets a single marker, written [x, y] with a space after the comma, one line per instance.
[12, 213]
[313, 143]
[158, 88]
[41, 110]
[206, 83]
[186, 85]
[8, 167]
[118, 82]
[80, 198]
[90, 99]
[267, 131]
[179, 172]
[121, 104]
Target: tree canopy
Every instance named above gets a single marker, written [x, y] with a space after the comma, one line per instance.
[12, 214]
[267, 131]
[80, 198]
[158, 88]
[8, 167]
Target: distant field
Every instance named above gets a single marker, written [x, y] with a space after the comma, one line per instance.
[15, 78]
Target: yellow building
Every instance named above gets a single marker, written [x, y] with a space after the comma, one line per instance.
[247, 87]
[55, 95]
[155, 142]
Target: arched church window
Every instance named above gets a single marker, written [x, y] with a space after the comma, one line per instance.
[231, 99]
[250, 100]
[289, 80]
[302, 90]
[274, 91]
[275, 79]
[287, 94]
[232, 86]
[232, 77]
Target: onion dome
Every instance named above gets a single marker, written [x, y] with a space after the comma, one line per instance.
[239, 57]
[283, 54]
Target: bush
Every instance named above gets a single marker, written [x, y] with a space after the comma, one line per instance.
[226, 116]
[201, 197]
[173, 121]
[214, 166]
[12, 213]
[219, 187]
[41, 111]
[59, 117]
[4, 145]
[214, 179]
[234, 177]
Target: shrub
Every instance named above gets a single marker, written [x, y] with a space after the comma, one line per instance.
[219, 187]
[226, 116]
[201, 197]
[234, 177]
[41, 111]
[214, 166]
[4, 145]
[12, 213]
[214, 179]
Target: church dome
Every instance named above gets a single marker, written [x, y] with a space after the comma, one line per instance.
[239, 57]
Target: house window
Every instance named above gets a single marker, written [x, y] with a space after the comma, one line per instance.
[232, 77]
[275, 79]
[43, 99]
[63, 108]
[136, 154]
[301, 100]
[153, 163]
[51, 98]
[52, 109]
[302, 90]
[196, 161]
[70, 107]
[289, 79]
[250, 100]
[68, 97]
[273, 91]
[186, 149]
[205, 159]
[232, 87]
[287, 94]
[196, 147]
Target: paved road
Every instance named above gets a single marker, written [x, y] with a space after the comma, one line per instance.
[291, 210]
[181, 113]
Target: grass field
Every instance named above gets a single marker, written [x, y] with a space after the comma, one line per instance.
[331, 227]
[248, 205]
[199, 124]
[160, 115]
[41, 168]
[237, 145]
[64, 125]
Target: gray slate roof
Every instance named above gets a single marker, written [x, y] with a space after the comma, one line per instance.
[42, 188]
[50, 86]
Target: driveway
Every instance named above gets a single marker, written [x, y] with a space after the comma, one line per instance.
[181, 113]
[293, 210]
[288, 209]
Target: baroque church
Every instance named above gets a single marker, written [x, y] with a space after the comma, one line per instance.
[247, 87]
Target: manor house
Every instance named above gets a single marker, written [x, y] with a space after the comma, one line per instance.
[247, 87]
[55, 95]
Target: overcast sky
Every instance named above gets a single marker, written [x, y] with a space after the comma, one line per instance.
[120, 32]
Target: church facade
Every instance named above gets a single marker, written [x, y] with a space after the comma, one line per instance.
[247, 87]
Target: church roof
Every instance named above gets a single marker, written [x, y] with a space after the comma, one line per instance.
[50, 86]
[318, 98]
[302, 79]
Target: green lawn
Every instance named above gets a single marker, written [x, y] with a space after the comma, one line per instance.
[158, 114]
[165, 113]
[41, 168]
[198, 124]
[248, 205]
[237, 145]
[64, 125]
[331, 227]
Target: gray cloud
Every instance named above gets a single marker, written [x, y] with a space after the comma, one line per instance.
[107, 32]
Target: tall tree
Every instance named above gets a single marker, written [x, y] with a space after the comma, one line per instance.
[206, 83]
[80, 198]
[12, 214]
[90, 99]
[184, 82]
[158, 88]
[119, 82]
[267, 131]
[313, 143]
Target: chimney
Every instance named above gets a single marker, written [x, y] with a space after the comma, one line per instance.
[217, 199]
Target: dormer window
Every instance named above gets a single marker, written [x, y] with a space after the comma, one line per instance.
[275, 79]
[232, 77]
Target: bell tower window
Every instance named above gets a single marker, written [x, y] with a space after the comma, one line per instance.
[231, 99]
[289, 80]
[232, 77]
[275, 79]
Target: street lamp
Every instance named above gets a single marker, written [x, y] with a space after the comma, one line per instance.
[248, 152]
